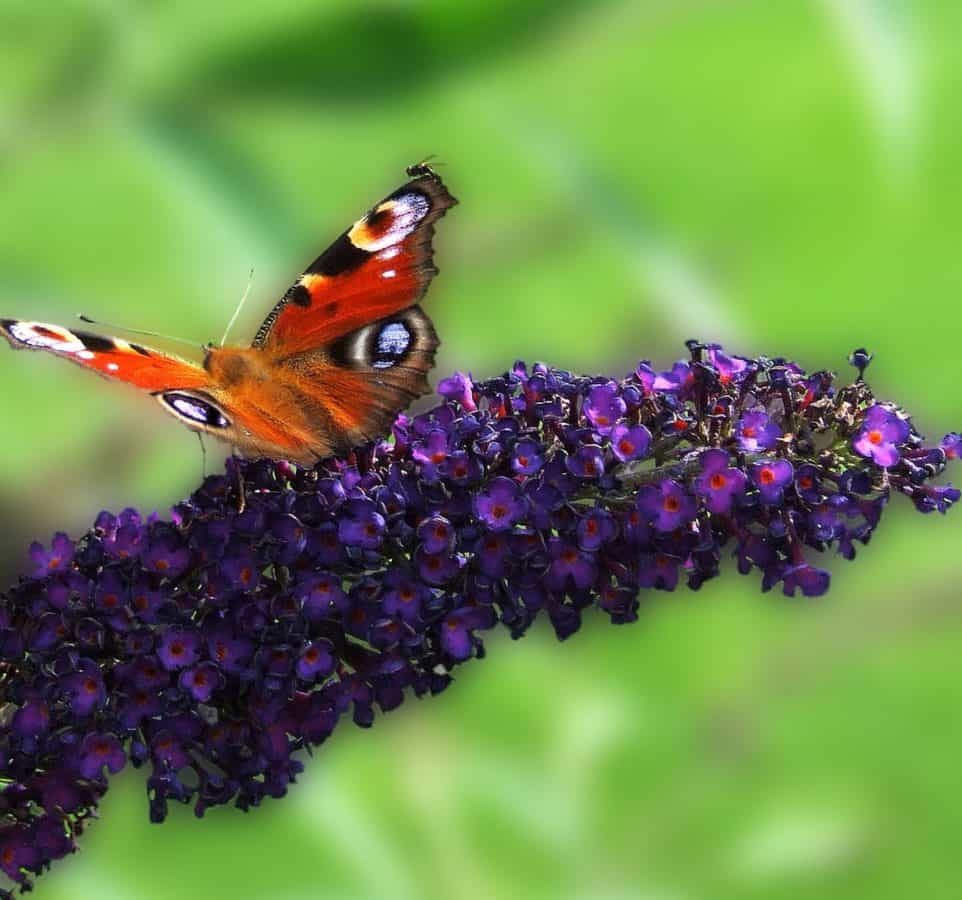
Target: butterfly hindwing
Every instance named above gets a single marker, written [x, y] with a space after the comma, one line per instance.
[379, 266]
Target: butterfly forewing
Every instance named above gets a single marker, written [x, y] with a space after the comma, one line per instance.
[379, 266]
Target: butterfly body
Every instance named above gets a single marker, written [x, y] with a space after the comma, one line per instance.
[342, 352]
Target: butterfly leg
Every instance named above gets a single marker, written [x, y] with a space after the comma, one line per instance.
[203, 455]
[241, 484]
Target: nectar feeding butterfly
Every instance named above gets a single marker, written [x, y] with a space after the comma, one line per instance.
[340, 354]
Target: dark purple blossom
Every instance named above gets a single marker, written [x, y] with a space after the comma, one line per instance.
[57, 559]
[719, 483]
[178, 648]
[316, 661]
[526, 458]
[951, 445]
[604, 407]
[666, 505]
[587, 461]
[458, 387]
[277, 601]
[98, 751]
[362, 526]
[500, 505]
[630, 442]
[201, 681]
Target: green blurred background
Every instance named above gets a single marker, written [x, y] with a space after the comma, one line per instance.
[782, 176]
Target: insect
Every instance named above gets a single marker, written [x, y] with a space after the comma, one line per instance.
[340, 354]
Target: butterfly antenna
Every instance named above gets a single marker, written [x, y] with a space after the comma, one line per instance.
[240, 306]
[156, 334]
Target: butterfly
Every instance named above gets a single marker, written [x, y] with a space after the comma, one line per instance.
[340, 354]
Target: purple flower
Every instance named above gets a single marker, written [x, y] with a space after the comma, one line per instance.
[629, 443]
[57, 559]
[812, 582]
[666, 505]
[500, 505]
[659, 571]
[322, 595]
[719, 483]
[17, 852]
[526, 458]
[201, 681]
[363, 526]
[604, 407]
[587, 461]
[771, 477]
[458, 387]
[436, 568]
[166, 555]
[112, 592]
[730, 368]
[808, 478]
[178, 648]
[228, 650]
[32, 719]
[597, 527]
[951, 445]
[570, 565]
[437, 534]
[676, 380]
[882, 429]
[935, 499]
[100, 750]
[756, 432]
[457, 639]
[403, 593]
[85, 689]
[316, 661]
[432, 450]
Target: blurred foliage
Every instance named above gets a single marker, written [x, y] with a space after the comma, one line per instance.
[781, 176]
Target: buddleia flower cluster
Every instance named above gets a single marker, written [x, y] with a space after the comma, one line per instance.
[208, 649]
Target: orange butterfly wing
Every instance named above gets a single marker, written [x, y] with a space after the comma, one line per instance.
[111, 357]
[378, 267]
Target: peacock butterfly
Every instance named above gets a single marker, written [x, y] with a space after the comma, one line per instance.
[340, 354]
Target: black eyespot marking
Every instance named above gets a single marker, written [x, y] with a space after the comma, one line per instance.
[299, 295]
[195, 409]
[377, 217]
[341, 257]
[391, 345]
[95, 342]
